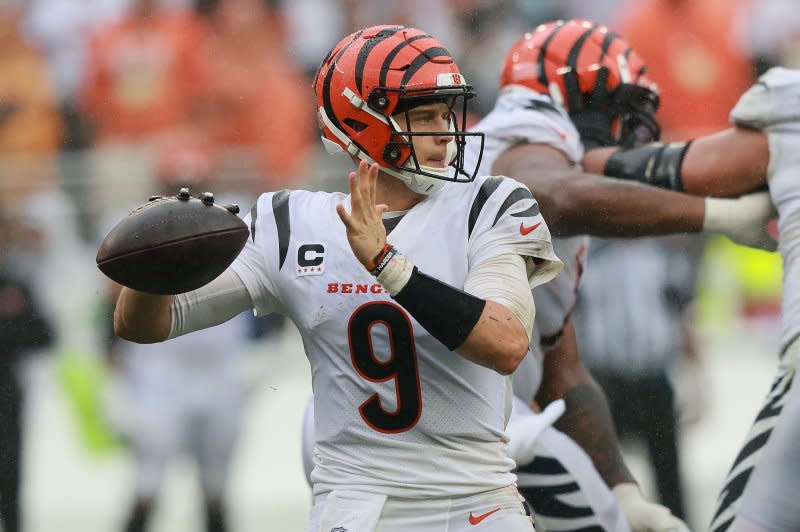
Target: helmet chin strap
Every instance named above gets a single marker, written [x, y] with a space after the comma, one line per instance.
[423, 184]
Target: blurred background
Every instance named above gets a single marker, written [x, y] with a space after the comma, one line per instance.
[105, 102]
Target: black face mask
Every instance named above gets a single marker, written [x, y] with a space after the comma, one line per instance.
[456, 99]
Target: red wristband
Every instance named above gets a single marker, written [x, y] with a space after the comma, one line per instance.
[371, 265]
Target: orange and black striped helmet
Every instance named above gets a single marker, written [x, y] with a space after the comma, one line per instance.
[564, 59]
[377, 73]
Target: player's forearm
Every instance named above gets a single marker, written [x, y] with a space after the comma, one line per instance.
[484, 332]
[588, 421]
[726, 164]
[598, 206]
[498, 341]
[142, 318]
[578, 203]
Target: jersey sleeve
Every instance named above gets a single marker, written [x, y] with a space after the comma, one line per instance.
[505, 218]
[764, 104]
[555, 300]
[252, 265]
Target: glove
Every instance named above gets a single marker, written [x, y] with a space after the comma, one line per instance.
[743, 220]
[590, 115]
[645, 516]
[525, 425]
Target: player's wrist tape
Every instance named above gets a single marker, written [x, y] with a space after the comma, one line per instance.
[655, 164]
[720, 214]
[447, 313]
[394, 272]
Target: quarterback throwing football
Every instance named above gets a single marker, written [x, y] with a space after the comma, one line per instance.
[411, 337]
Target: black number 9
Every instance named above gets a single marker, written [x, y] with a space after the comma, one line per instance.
[401, 365]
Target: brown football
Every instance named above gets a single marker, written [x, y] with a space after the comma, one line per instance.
[172, 245]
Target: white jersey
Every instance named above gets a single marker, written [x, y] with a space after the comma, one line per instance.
[395, 411]
[521, 115]
[764, 106]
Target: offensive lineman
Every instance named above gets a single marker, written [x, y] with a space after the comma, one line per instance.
[760, 493]
[410, 372]
[565, 84]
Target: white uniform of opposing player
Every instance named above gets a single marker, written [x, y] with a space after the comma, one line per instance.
[763, 482]
[561, 472]
[397, 414]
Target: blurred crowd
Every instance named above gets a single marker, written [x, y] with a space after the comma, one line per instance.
[104, 102]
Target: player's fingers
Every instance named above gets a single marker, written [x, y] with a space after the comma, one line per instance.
[355, 193]
[600, 93]
[346, 219]
[373, 179]
[367, 185]
[380, 209]
[574, 95]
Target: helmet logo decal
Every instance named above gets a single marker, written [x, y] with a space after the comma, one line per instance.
[448, 79]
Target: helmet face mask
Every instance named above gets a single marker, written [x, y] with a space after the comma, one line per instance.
[404, 135]
[563, 59]
[365, 89]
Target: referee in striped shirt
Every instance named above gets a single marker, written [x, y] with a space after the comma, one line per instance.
[631, 320]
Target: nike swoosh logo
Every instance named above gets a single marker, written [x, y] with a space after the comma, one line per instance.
[525, 230]
[475, 519]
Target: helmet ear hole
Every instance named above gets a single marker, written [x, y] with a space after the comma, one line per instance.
[392, 153]
[378, 100]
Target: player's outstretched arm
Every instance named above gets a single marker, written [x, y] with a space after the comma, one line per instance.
[729, 163]
[141, 317]
[484, 332]
[577, 203]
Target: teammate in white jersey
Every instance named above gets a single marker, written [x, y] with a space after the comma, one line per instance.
[410, 370]
[566, 85]
[760, 491]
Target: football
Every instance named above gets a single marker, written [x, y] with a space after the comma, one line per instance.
[171, 245]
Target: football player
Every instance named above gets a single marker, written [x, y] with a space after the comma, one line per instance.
[760, 150]
[568, 86]
[411, 337]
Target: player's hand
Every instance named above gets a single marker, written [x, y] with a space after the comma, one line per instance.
[524, 429]
[744, 220]
[590, 115]
[643, 515]
[365, 230]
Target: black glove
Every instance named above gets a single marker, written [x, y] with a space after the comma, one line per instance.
[590, 114]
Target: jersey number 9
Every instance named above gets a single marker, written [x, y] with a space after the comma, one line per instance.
[401, 365]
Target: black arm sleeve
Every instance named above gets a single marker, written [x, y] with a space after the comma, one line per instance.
[446, 312]
[655, 164]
